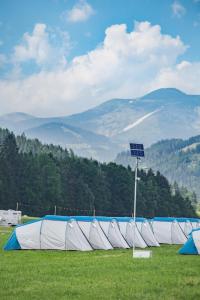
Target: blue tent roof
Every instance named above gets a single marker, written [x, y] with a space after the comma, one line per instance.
[164, 219]
[91, 218]
[194, 219]
[183, 219]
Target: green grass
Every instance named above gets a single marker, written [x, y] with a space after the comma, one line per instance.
[27, 275]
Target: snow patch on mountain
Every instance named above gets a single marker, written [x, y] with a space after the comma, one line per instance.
[140, 120]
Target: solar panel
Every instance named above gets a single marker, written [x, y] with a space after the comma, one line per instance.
[136, 146]
[137, 150]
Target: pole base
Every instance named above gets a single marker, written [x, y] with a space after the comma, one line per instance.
[142, 254]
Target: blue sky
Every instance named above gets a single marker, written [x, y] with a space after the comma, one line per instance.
[50, 41]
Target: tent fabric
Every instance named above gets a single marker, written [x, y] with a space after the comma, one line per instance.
[185, 225]
[131, 234]
[29, 235]
[12, 242]
[189, 247]
[50, 234]
[147, 234]
[168, 231]
[196, 237]
[112, 232]
[86, 233]
[143, 227]
[95, 235]
[192, 246]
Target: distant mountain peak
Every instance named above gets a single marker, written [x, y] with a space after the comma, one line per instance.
[165, 93]
[17, 116]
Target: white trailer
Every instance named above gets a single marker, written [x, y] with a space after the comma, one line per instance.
[10, 217]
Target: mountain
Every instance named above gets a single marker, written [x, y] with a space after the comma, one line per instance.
[83, 142]
[161, 114]
[177, 159]
[11, 120]
[164, 113]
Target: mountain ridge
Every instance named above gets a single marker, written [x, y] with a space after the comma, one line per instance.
[177, 159]
[161, 114]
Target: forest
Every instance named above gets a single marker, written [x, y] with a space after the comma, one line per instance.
[36, 178]
[178, 160]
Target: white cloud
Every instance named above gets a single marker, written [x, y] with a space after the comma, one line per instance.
[35, 46]
[178, 9]
[80, 12]
[184, 76]
[126, 64]
[46, 47]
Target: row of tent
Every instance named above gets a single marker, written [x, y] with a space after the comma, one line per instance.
[87, 233]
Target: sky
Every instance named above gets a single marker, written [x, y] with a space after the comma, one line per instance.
[59, 57]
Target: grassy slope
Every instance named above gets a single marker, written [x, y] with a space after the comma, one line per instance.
[97, 275]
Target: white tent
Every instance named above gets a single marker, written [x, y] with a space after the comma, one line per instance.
[195, 222]
[93, 232]
[167, 231]
[146, 232]
[131, 234]
[112, 232]
[50, 232]
[185, 225]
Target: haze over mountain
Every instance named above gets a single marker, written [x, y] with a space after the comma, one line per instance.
[105, 130]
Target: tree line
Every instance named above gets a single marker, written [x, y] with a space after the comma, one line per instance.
[39, 177]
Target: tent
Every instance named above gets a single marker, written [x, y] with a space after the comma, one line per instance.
[130, 232]
[168, 231]
[93, 232]
[112, 232]
[195, 222]
[185, 225]
[50, 232]
[192, 246]
[146, 232]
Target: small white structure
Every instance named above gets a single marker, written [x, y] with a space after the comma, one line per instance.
[10, 217]
[168, 231]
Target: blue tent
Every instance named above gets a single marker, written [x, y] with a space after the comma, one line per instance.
[192, 246]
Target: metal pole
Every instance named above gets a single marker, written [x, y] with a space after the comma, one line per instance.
[17, 206]
[55, 210]
[135, 202]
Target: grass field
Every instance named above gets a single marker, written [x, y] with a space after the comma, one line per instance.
[28, 275]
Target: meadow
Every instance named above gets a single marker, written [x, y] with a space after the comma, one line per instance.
[27, 275]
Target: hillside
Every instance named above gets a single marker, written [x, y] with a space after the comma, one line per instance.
[177, 159]
[105, 130]
[39, 177]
